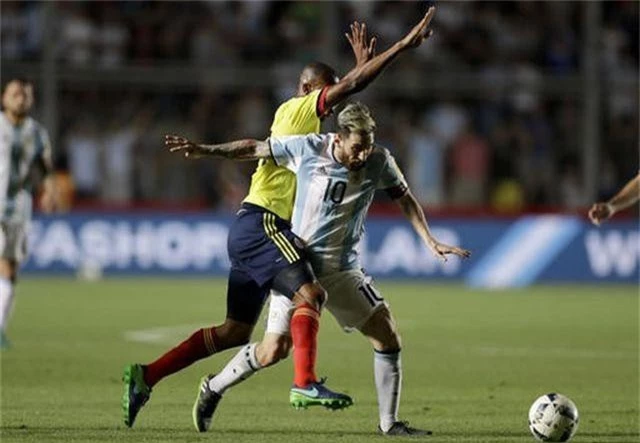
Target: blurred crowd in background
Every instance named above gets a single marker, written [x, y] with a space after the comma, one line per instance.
[505, 148]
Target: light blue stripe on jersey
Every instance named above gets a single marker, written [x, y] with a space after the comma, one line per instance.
[349, 255]
[301, 208]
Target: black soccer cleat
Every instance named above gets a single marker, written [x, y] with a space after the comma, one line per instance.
[205, 405]
[402, 429]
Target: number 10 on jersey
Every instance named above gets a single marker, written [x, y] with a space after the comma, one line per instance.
[335, 191]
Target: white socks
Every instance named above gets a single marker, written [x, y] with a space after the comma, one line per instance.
[242, 366]
[387, 370]
[6, 301]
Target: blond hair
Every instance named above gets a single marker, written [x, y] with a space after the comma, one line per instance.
[356, 117]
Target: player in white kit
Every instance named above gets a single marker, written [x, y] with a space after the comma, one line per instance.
[337, 176]
[24, 144]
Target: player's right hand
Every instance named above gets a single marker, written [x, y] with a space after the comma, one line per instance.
[176, 143]
[600, 212]
[420, 33]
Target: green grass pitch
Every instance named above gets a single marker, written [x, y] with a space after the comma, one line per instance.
[473, 362]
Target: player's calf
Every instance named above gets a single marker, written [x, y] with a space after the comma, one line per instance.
[272, 349]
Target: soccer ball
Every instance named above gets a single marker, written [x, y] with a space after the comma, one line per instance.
[553, 417]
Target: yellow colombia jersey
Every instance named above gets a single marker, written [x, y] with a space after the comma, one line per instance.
[274, 187]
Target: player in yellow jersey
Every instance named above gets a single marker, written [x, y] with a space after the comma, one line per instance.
[265, 254]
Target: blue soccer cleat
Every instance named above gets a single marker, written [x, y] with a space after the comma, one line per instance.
[317, 394]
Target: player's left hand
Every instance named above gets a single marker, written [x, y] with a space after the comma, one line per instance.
[441, 251]
[176, 143]
[600, 212]
[362, 50]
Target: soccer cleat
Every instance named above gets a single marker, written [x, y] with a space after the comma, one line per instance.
[402, 428]
[317, 394]
[205, 405]
[136, 393]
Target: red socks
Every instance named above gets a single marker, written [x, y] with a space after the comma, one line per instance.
[201, 344]
[304, 333]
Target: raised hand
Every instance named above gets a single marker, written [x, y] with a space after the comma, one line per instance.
[420, 33]
[362, 50]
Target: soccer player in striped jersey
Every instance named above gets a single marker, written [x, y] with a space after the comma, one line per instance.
[24, 144]
[266, 254]
[337, 176]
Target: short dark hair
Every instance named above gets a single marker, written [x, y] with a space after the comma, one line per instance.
[22, 80]
[322, 71]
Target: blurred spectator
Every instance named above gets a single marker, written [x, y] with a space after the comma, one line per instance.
[425, 171]
[508, 196]
[496, 64]
[446, 121]
[78, 34]
[571, 187]
[112, 37]
[119, 140]
[470, 159]
[83, 151]
[64, 186]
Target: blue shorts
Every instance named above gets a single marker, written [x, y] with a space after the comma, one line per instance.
[264, 254]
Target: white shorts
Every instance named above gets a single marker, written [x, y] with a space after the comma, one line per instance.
[13, 241]
[352, 301]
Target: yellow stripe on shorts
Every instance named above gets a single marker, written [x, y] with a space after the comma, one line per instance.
[285, 241]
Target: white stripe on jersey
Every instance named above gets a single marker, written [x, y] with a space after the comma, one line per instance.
[20, 147]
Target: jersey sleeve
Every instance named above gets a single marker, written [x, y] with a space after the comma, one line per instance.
[321, 104]
[288, 151]
[391, 178]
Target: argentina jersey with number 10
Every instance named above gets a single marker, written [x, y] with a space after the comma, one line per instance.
[331, 201]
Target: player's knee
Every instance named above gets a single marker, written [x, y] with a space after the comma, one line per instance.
[319, 296]
[393, 343]
[313, 294]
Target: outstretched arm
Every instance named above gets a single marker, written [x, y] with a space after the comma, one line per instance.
[629, 195]
[359, 77]
[414, 213]
[247, 149]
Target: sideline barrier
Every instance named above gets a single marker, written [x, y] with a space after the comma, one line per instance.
[506, 253]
